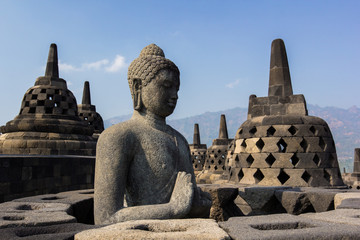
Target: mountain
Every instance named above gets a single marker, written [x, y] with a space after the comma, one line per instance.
[344, 125]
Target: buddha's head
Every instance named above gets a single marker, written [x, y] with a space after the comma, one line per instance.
[154, 82]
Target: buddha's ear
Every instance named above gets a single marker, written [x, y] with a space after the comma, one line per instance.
[136, 89]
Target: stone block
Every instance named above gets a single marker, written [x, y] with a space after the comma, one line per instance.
[286, 226]
[270, 144]
[294, 202]
[321, 200]
[248, 177]
[158, 229]
[270, 177]
[282, 160]
[293, 144]
[223, 206]
[296, 108]
[340, 216]
[313, 144]
[57, 231]
[259, 160]
[251, 145]
[278, 109]
[296, 178]
[340, 197]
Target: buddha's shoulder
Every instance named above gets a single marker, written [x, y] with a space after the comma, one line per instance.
[127, 129]
[178, 135]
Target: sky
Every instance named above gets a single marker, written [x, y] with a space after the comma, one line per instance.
[222, 49]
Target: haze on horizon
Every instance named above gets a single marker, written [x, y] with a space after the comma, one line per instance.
[221, 48]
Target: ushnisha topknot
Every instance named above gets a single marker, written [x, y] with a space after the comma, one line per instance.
[145, 67]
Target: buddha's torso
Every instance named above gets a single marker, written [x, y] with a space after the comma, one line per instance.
[158, 155]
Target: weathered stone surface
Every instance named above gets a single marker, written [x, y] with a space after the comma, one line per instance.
[279, 125]
[81, 202]
[222, 196]
[48, 107]
[342, 216]
[294, 202]
[261, 200]
[59, 232]
[158, 229]
[87, 112]
[34, 218]
[144, 160]
[352, 198]
[285, 226]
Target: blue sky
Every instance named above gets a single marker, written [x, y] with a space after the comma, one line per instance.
[222, 49]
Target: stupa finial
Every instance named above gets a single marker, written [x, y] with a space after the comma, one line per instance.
[86, 94]
[223, 132]
[279, 80]
[52, 68]
[196, 139]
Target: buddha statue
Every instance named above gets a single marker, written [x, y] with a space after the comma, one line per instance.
[143, 166]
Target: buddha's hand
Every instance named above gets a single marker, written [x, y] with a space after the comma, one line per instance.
[182, 195]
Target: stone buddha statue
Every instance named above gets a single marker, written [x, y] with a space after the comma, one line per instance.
[143, 166]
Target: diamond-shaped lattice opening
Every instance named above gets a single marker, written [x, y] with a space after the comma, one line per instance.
[236, 158]
[294, 159]
[316, 159]
[240, 175]
[215, 168]
[282, 145]
[212, 161]
[253, 130]
[283, 176]
[219, 162]
[219, 151]
[32, 110]
[271, 130]
[304, 145]
[243, 144]
[292, 130]
[240, 131]
[312, 130]
[260, 144]
[322, 144]
[258, 175]
[223, 167]
[195, 166]
[270, 160]
[327, 176]
[250, 160]
[222, 156]
[306, 176]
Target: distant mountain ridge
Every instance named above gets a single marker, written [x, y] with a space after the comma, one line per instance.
[344, 125]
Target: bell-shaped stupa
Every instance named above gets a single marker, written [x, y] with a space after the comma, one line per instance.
[87, 112]
[279, 144]
[48, 122]
[197, 150]
[215, 158]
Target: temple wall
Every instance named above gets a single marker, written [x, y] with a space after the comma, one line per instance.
[22, 176]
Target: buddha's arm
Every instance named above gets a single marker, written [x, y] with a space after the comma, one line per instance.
[178, 207]
[113, 158]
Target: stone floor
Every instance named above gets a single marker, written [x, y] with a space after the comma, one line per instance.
[238, 212]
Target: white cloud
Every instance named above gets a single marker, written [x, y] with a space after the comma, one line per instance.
[101, 65]
[67, 67]
[117, 64]
[233, 84]
[95, 65]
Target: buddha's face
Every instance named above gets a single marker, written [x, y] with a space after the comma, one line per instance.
[159, 96]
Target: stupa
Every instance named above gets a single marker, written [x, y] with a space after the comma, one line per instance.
[87, 112]
[215, 158]
[197, 150]
[279, 144]
[48, 122]
[353, 179]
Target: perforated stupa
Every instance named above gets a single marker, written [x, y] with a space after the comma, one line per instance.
[279, 144]
[48, 122]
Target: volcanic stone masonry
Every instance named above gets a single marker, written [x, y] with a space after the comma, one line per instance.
[353, 179]
[87, 112]
[198, 151]
[48, 122]
[279, 144]
[216, 156]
